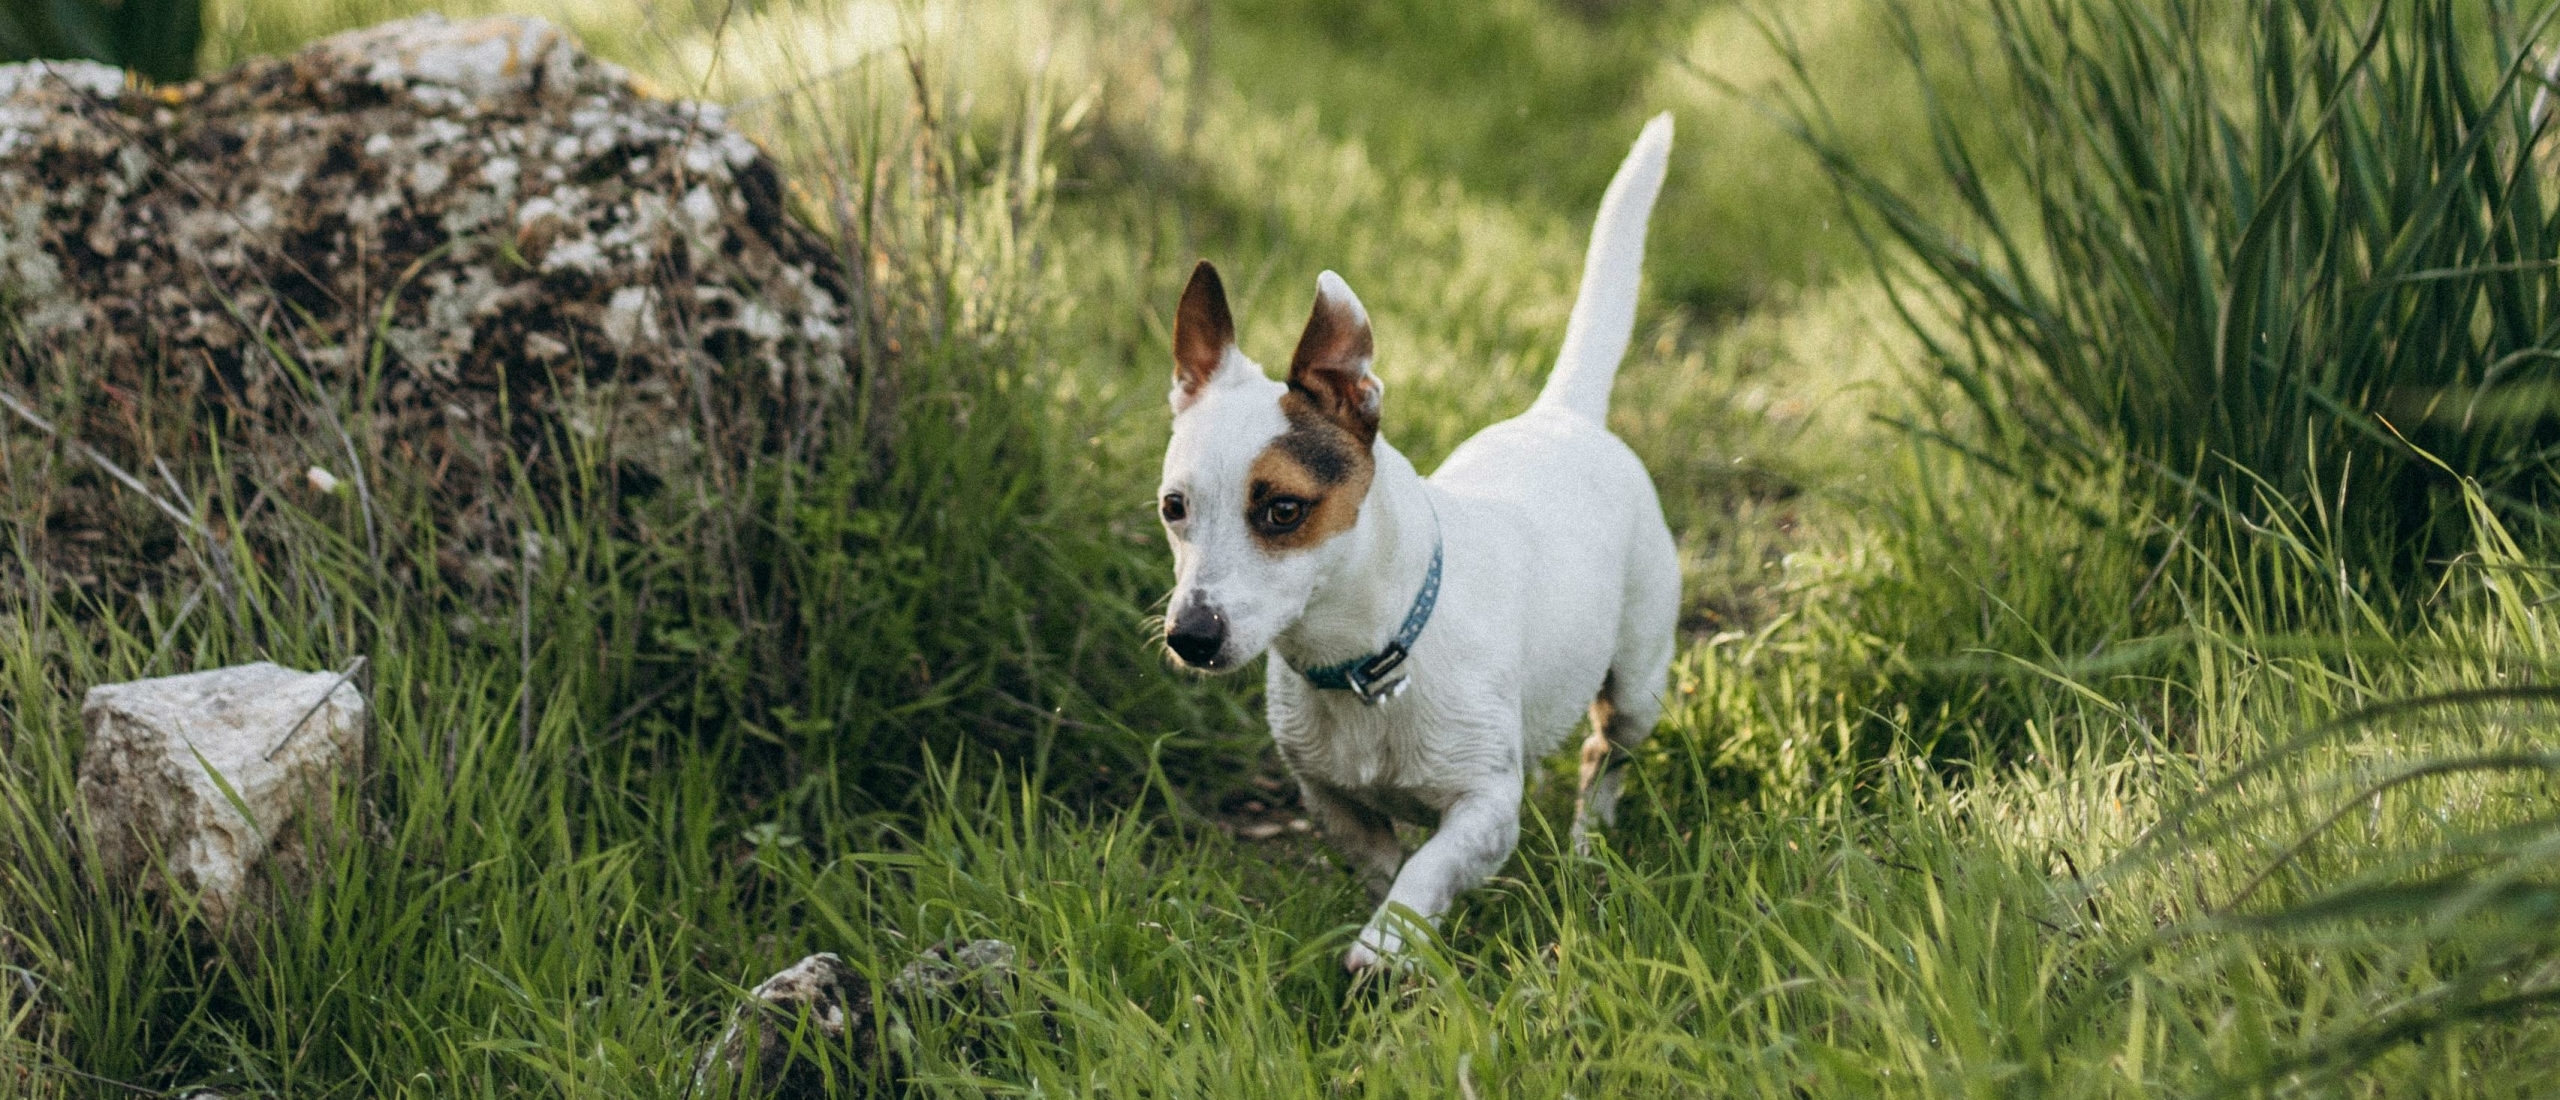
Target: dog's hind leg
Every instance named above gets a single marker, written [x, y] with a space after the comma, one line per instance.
[1618, 724]
[1630, 703]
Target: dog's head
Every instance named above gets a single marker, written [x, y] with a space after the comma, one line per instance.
[1262, 478]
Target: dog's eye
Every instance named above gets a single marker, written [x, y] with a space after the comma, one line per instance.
[1173, 508]
[1284, 513]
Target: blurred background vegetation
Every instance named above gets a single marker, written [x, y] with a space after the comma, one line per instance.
[157, 38]
[2109, 442]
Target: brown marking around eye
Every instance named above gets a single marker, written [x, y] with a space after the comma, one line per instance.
[1317, 461]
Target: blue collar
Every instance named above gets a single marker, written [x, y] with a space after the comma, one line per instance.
[1373, 677]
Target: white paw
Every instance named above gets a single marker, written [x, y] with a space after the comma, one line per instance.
[1377, 948]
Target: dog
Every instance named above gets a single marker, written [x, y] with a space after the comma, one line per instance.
[1432, 639]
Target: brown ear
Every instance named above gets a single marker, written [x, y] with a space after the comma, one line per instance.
[1202, 333]
[1331, 366]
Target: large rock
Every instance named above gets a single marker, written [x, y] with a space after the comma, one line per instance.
[160, 753]
[472, 237]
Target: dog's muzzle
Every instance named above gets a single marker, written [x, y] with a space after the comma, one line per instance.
[1198, 635]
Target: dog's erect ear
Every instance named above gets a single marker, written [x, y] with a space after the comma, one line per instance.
[1331, 366]
[1203, 331]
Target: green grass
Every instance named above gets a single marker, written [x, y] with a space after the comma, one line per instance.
[545, 921]
[1949, 799]
[2292, 264]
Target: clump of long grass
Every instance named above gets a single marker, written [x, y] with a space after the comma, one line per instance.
[2294, 261]
[2407, 842]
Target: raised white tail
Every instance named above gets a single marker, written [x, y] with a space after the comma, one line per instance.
[1604, 312]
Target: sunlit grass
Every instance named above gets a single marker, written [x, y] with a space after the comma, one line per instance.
[1884, 845]
[2287, 265]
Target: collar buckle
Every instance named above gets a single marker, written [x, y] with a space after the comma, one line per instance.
[1376, 680]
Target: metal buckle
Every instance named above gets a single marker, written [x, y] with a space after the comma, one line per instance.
[1373, 682]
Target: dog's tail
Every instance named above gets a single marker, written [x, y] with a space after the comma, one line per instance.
[1604, 313]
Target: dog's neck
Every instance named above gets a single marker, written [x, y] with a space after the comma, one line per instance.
[1363, 597]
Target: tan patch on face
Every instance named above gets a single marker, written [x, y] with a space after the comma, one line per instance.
[1317, 464]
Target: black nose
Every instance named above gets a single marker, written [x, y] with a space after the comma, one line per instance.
[1197, 634]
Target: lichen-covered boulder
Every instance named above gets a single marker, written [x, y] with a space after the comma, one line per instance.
[470, 238]
[197, 780]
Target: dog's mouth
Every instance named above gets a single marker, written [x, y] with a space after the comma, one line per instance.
[1210, 664]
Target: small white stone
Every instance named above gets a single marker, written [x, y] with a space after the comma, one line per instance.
[257, 214]
[428, 177]
[321, 479]
[535, 209]
[631, 316]
[699, 159]
[700, 207]
[544, 346]
[171, 764]
[580, 254]
[760, 321]
[438, 98]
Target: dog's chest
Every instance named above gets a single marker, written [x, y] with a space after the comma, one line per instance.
[1401, 756]
[1349, 751]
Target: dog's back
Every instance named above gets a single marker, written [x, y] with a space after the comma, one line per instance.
[1554, 487]
[1597, 576]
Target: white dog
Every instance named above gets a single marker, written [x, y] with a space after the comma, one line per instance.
[1431, 640]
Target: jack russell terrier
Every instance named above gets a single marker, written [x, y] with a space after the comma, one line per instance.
[1431, 639]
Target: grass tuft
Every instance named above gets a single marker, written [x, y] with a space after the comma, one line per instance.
[2291, 264]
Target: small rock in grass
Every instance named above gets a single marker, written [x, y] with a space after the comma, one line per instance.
[825, 1004]
[161, 753]
[822, 1001]
[972, 986]
[979, 970]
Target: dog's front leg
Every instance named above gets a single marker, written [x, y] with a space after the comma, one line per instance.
[1476, 834]
[1363, 836]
